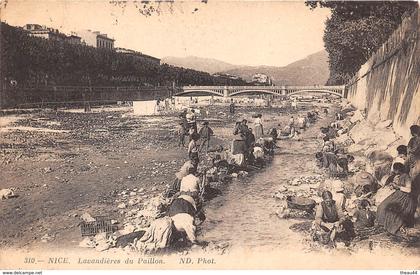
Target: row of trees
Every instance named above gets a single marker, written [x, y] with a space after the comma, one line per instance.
[37, 61]
[356, 29]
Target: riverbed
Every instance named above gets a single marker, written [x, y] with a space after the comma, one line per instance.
[244, 216]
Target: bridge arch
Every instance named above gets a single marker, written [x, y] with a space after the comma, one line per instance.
[316, 91]
[238, 92]
[211, 92]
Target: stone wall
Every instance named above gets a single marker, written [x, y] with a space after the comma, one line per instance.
[387, 85]
[17, 97]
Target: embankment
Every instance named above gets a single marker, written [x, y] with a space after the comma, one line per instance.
[387, 85]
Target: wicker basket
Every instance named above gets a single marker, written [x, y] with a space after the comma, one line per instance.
[102, 224]
[300, 203]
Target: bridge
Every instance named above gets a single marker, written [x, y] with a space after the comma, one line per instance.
[228, 91]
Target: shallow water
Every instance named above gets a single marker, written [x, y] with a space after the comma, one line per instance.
[244, 215]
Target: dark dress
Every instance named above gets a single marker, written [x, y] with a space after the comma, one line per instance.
[240, 144]
[398, 208]
[330, 214]
[329, 161]
[179, 206]
[364, 218]
[413, 151]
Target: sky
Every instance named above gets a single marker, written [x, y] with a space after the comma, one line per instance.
[273, 33]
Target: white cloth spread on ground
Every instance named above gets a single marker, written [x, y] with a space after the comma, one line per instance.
[157, 236]
[6, 194]
[183, 171]
[258, 152]
[238, 159]
[190, 183]
[185, 223]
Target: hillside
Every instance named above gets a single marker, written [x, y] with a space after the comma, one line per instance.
[33, 61]
[308, 71]
[312, 70]
[208, 65]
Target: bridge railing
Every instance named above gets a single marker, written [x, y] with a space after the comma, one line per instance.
[264, 87]
[203, 87]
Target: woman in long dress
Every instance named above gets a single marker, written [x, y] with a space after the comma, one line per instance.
[258, 127]
[398, 209]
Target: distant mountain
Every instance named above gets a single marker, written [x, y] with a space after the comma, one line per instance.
[208, 65]
[312, 70]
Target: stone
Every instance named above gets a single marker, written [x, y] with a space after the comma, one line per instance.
[384, 124]
[100, 237]
[282, 189]
[131, 213]
[122, 206]
[357, 116]
[279, 196]
[47, 238]
[132, 202]
[86, 217]
[133, 193]
[7, 194]
[243, 174]
[87, 243]
[128, 228]
[47, 170]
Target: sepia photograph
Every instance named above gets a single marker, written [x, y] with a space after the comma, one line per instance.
[209, 135]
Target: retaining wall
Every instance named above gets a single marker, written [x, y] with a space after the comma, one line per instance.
[387, 85]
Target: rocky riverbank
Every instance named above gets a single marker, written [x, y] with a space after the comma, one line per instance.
[62, 164]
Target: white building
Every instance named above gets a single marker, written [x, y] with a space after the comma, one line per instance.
[96, 39]
[261, 79]
[44, 32]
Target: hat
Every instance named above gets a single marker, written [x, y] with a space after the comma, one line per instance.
[244, 120]
[205, 123]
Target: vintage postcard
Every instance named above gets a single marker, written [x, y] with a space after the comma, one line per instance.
[212, 134]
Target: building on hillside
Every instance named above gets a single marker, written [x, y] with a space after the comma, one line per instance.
[51, 34]
[228, 76]
[44, 32]
[139, 55]
[96, 39]
[74, 39]
[261, 79]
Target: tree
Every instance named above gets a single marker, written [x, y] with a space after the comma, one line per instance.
[32, 60]
[356, 29]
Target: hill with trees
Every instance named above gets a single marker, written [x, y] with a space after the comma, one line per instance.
[356, 29]
[33, 61]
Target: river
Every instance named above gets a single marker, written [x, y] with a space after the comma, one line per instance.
[244, 215]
